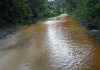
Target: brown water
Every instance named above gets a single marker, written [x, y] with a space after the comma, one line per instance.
[56, 44]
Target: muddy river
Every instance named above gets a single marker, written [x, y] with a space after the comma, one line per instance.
[56, 44]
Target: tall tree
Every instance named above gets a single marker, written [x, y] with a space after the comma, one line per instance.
[13, 12]
[39, 8]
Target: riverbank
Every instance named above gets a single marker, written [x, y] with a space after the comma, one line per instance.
[13, 29]
[95, 34]
[8, 31]
[4, 32]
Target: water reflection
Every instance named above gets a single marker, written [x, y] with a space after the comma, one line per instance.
[58, 44]
[65, 53]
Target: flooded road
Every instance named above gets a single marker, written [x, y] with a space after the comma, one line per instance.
[56, 44]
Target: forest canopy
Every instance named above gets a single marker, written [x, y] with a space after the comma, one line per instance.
[22, 12]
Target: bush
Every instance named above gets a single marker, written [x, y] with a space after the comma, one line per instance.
[13, 12]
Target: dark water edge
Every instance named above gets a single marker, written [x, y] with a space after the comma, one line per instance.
[8, 31]
[13, 29]
[95, 34]
[5, 32]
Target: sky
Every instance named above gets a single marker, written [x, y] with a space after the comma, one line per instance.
[50, 0]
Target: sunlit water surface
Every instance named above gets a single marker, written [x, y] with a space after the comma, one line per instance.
[56, 44]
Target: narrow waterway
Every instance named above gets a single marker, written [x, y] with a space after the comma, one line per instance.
[56, 44]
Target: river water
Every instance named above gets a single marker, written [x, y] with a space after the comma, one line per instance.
[56, 44]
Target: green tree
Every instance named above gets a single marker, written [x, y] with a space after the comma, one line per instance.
[94, 14]
[14, 12]
[39, 8]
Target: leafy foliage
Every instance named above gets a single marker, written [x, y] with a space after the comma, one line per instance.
[39, 8]
[13, 12]
[16, 12]
[85, 11]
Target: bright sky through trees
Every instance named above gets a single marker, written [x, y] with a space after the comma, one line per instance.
[50, 0]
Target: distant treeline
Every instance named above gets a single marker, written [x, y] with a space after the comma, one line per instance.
[21, 12]
[87, 12]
